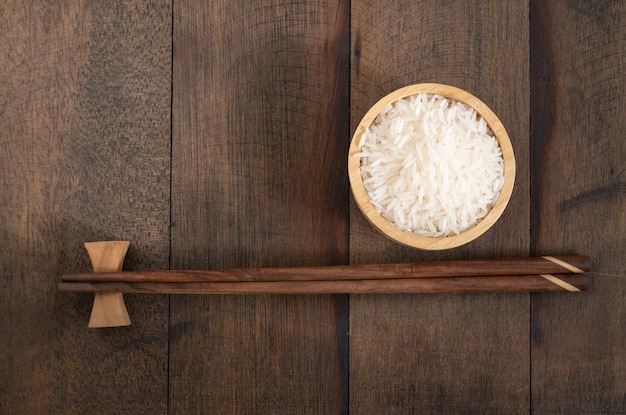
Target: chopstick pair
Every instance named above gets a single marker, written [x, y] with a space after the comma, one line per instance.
[532, 274]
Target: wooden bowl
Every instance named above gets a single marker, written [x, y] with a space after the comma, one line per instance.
[409, 239]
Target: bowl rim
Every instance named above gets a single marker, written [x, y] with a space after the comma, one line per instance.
[416, 241]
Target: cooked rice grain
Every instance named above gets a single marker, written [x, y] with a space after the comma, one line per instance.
[431, 166]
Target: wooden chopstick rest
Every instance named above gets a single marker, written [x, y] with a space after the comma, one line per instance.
[109, 309]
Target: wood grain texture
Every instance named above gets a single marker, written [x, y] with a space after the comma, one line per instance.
[84, 155]
[481, 47]
[579, 194]
[259, 179]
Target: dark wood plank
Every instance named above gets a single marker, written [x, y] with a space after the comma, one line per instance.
[579, 194]
[443, 353]
[260, 134]
[84, 155]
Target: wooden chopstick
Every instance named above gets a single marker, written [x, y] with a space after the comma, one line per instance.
[506, 283]
[440, 269]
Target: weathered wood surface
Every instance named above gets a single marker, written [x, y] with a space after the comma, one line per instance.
[84, 156]
[579, 196]
[254, 105]
[259, 179]
[448, 353]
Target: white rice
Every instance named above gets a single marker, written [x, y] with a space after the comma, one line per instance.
[431, 166]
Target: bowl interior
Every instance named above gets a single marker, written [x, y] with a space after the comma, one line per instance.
[416, 241]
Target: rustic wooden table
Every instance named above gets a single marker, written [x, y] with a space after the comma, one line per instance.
[214, 134]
